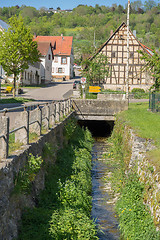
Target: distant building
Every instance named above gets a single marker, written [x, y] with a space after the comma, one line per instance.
[63, 59]
[115, 48]
[52, 10]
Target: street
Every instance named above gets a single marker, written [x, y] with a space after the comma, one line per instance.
[53, 91]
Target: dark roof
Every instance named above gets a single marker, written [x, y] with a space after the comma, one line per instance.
[4, 25]
[43, 48]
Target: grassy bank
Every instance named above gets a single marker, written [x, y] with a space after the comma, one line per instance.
[135, 220]
[146, 125]
[16, 100]
[64, 206]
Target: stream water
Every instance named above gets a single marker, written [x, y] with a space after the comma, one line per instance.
[102, 201]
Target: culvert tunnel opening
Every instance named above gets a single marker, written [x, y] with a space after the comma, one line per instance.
[98, 128]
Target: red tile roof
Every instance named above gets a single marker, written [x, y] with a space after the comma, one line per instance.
[43, 47]
[62, 45]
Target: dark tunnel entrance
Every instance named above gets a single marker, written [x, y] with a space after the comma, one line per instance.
[98, 128]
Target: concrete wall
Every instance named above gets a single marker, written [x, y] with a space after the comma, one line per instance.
[96, 109]
[12, 204]
[112, 96]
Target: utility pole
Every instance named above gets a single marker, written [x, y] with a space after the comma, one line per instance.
[127, 67]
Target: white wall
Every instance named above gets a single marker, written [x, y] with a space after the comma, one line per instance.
[48, 66]
[32, 76]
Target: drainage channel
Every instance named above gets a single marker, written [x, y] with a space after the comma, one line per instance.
[102, 205]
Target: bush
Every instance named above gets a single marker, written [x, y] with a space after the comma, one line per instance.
[64, 207]
[135, 220]
[138, 90]
[72, 224]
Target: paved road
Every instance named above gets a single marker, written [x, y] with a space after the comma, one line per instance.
[53, 91]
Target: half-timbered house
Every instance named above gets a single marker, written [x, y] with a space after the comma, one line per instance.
[115, 48]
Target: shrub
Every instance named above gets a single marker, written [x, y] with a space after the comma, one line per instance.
[72, 224]
[138, 90]
[135, 220]
[27, 175]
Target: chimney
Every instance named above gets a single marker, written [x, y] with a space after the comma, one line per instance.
[34, 36]
[134, 33]
[62, 36]
[111, 33]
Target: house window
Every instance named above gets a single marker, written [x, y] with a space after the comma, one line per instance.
[113, 54]
[56, 59]
[63, 60]
[59, 70]
[53, 70]
[131, 54]
[49, 57]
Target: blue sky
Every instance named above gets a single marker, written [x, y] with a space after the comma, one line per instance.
[63, 4]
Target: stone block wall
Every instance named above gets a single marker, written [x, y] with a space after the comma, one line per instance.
[12, 204]
[148, 173]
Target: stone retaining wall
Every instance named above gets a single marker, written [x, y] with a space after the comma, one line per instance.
[149, 176]
[12, 204]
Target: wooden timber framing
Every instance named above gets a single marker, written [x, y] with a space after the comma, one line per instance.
[115, 48]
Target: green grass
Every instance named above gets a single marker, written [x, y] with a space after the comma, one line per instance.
[60, 213]
[146, 123]
[25, 86]
[91, 95]
[13, 146]
[135, 220]
[16, 100]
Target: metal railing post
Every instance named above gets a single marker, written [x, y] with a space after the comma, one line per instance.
[57, 114]
[48, 115]
[4, 141]
[39, 119]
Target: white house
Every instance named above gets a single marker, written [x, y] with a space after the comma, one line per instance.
[40, 72]
[45, 48]
[62, 64]
[32, 75]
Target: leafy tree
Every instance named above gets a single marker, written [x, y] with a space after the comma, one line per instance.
[17, 49]
[95, 69]
[148, 5]
[153, 64]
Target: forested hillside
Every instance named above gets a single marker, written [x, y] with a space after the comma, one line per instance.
[86, 23]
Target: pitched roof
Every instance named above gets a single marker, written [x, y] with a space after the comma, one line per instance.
[43, 47]
[62, 45]
[4, 25]
[149, 51]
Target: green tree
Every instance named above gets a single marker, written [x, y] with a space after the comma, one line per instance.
[96, 69]
[153, 64]
[17, 49]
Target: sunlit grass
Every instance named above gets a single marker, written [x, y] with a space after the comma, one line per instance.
[13, 146]
[146, 123]
[16, 100]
